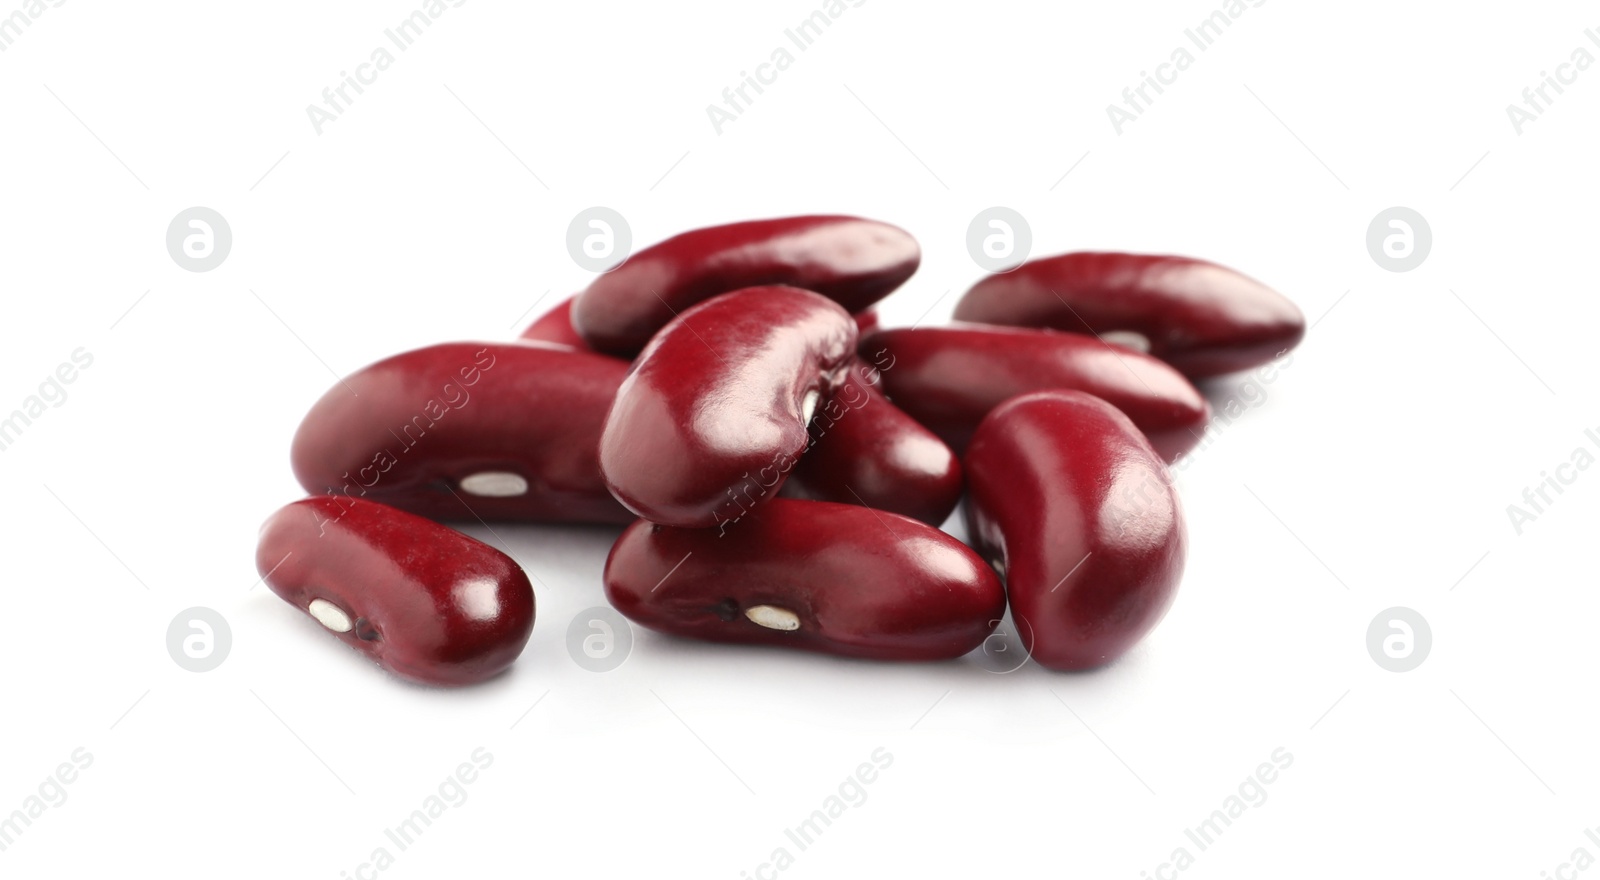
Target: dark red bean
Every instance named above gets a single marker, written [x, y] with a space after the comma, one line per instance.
[866, 451]
[1202, 318]
[866, 321]
[555, 326]
[834, 578]
[948, 378]
[426, 602]
[852, 261]
[1072, 504]
[468, 430]
[713, 416]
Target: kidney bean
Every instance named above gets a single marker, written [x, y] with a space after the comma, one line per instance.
[1073, 505]
[1202, 318]
[834, 578]
[948, 378]
[555, 326]
[427, 603]
[853, 261]
[468, 430]
[866, 321]
[866, 451]
[713, 415]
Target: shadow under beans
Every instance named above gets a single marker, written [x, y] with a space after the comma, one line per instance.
[1000, 656]
[321, 650]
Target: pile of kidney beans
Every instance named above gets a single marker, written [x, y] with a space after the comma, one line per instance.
[782, 464]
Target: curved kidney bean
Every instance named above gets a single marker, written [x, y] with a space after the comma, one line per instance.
[1076, 509]
[948, 378]
[834, 578]
[427, 603]
[714, 412]
[852, 261]
[468, 430]
[555, 326]
[866, 451]
[1202, 318]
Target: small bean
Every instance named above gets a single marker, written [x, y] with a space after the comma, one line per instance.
[426, 602]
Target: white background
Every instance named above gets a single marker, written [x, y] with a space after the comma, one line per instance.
[1376, 472]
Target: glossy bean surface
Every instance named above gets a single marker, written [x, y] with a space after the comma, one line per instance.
[850, 260]
[1071, 503]
[948, 378]
[426, 602]
[834, 578]
[713, 416]
[468, 430]
[1202, 318]
[866, 451]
